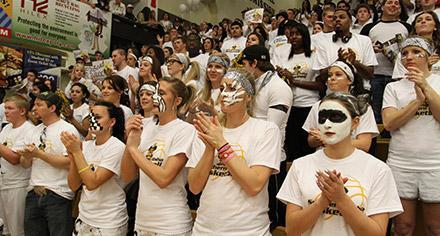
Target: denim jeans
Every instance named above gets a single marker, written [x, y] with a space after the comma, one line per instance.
[378, 84]
[49, 214]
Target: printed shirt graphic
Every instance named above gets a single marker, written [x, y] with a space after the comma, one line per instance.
[413, 146]
[225, 209]
[371, 186]
[164, 210]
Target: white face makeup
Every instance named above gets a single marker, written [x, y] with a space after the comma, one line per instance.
[218, 70]
[158, 100]
[232, 95]
[334, 122]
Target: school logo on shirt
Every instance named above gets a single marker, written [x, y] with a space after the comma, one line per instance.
[219, 169]
[423, 111]
[8, 142]
[156, 152]
[354, 190]
[299, 70]
[233, 49]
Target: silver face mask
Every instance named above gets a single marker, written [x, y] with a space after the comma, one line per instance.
[231, 97]
[94, 124]
[158, 100]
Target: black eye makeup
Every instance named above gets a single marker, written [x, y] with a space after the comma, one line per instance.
[334, 116]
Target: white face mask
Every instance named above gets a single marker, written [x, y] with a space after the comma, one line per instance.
[231, 97]
[334, 122]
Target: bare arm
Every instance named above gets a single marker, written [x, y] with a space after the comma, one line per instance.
[299, 220]
[198, 176]
[362, 141]
[129, 169]
[9, 155]
[394, 118]
[161, 175]
[73, 179]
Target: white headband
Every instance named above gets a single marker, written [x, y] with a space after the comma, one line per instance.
[183, 59]
[148, 87]
[135, 57]
[344, 66]
[147, 59]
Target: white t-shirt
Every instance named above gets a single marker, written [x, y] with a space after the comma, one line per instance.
[14, 176]
[301, 68]
[327, 52]
[44, 174]
[81, 112]
[127, 112]
[225, 208]
[367, 123]
[386, 33]
[117, 9]
[275, 92]
[165, 210]
[370, 185]
[415, 145]
[105, 206]
[128, 70]
[232, 47]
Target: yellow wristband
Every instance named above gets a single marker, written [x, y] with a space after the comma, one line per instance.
[83, 169]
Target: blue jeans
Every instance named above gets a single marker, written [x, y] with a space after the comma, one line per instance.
[378, 84]
[49, 214]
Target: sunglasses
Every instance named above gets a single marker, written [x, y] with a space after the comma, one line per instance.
[334, 116]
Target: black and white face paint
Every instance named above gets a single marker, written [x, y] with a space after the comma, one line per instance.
[334, 122]
[158, 100]
[233, 94]
[94, 124]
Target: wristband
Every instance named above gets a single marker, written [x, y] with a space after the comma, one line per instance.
[225, 153]
[84, 169]
[230, 156]
[223, 148]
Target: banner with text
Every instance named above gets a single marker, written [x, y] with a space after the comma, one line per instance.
[64, 24]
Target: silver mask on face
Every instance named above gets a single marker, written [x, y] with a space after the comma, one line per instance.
[158, 100]
[231, 97]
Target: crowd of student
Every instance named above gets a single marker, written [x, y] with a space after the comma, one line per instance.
[213, 116]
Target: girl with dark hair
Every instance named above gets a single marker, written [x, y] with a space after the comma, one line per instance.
[167, 51]
[79, 109]
[343, 78]
[158, 156]
[115, 90]
[426, 25]
[339, 190]
[96, 166]
[232, 162]
[294, 62]
[306, 11]
[156, 52]
[208, 45]
[255, 38]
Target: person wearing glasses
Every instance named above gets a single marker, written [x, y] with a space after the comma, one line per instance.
[48, 208]
[180, 67]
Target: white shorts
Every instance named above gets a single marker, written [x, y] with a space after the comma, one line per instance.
[138, 232]
[83, 229]
[413, 185]
[12, 206]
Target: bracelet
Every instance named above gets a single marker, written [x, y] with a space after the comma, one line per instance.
[84, 169]
[230, 156]
[225, 154]
[223, 148]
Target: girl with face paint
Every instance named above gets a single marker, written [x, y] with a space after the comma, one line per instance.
[232, 162]
[343, 78]
[158, 153]
[340, 189]
[96, 166]
[411, 112]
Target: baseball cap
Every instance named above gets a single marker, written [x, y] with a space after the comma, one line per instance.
[255, 52]
[52, 98]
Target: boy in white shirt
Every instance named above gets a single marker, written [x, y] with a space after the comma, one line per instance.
[14, 179]
[48, 209]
